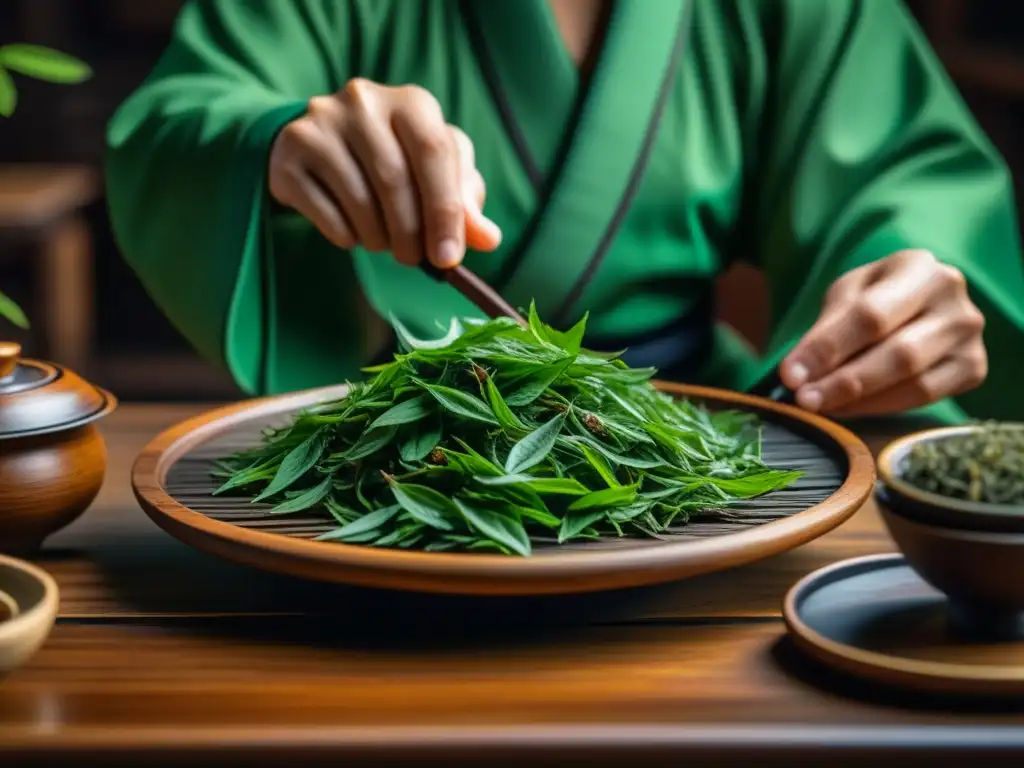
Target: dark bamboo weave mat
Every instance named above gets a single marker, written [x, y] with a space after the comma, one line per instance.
[189, 482]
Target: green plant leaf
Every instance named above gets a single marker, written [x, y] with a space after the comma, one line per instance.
[248, 476]
[403, 536]
[575, 523]
[416, 445]
[305, 500]
[541, 516]
[405, 412]
[600, 465]
[605, 499]
[543, 485]
[369, 443]
[371, 521]
[425, 504]
[460, 403]
[570, 340]
[298, 462]
[498, 528]
[502, 412]
[342, 514]
[534, 448]
[361, 525]
[756, 484]
[473, 464]
[642, 460]
[8, 309]
[625, 514]
[44, 64]
[410, 343]
[8, 94]
[524, 390]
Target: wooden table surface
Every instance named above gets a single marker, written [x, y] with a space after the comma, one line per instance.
[162, 653]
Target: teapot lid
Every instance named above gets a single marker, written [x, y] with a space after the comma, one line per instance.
[38, 398]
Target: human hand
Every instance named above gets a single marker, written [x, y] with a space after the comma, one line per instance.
[893, 335]
[379, 167]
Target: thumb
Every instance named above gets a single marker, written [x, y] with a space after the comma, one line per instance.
[482, 234]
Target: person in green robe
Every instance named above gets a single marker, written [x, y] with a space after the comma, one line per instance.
[283, 154]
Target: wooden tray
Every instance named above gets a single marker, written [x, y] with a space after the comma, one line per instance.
[172, 482]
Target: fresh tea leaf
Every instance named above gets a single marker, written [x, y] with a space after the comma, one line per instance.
[368, 522]
[526, 389]
[417, 443]
[405, 412]
[600, 465]
[535, 447]
[575, 523]
[410, 343]
[496, 527]
[298, 462]
[756, 484]
[461, 404]
[369, 443]
[428, 506]
[306, 500]
[542, 485]
[502, 412]
[572, 339]
[605, 499]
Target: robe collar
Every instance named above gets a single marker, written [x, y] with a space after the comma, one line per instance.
[584, 149]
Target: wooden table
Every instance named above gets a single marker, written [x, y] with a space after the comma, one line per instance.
[164, 654]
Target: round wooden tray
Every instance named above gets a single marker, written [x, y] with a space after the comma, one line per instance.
[172, 482]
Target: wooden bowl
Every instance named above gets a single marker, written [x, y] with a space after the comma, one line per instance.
[172, 482]
[973, 552]
[34, 596]
[52, 456]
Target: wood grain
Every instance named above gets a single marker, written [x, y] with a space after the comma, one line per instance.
[560, 570]
[164, 655]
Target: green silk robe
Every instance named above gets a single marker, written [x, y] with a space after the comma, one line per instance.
[805, 137]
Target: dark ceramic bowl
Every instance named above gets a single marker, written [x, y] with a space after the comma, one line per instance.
[973, 552]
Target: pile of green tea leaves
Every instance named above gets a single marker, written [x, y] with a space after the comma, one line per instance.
[499, 437]
[984, 465]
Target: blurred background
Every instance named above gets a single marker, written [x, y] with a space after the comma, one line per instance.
[58, 258]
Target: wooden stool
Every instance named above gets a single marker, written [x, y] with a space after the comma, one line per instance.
[42, 207]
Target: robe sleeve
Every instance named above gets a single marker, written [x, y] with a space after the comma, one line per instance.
[867, 149]
[186, 176]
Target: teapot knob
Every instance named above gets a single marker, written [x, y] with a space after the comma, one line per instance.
[10, 353]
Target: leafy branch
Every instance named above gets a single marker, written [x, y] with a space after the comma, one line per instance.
[40, 63]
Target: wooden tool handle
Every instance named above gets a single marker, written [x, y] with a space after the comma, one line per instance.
[476, 290]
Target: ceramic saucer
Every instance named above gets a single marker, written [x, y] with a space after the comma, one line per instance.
[874, 618]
